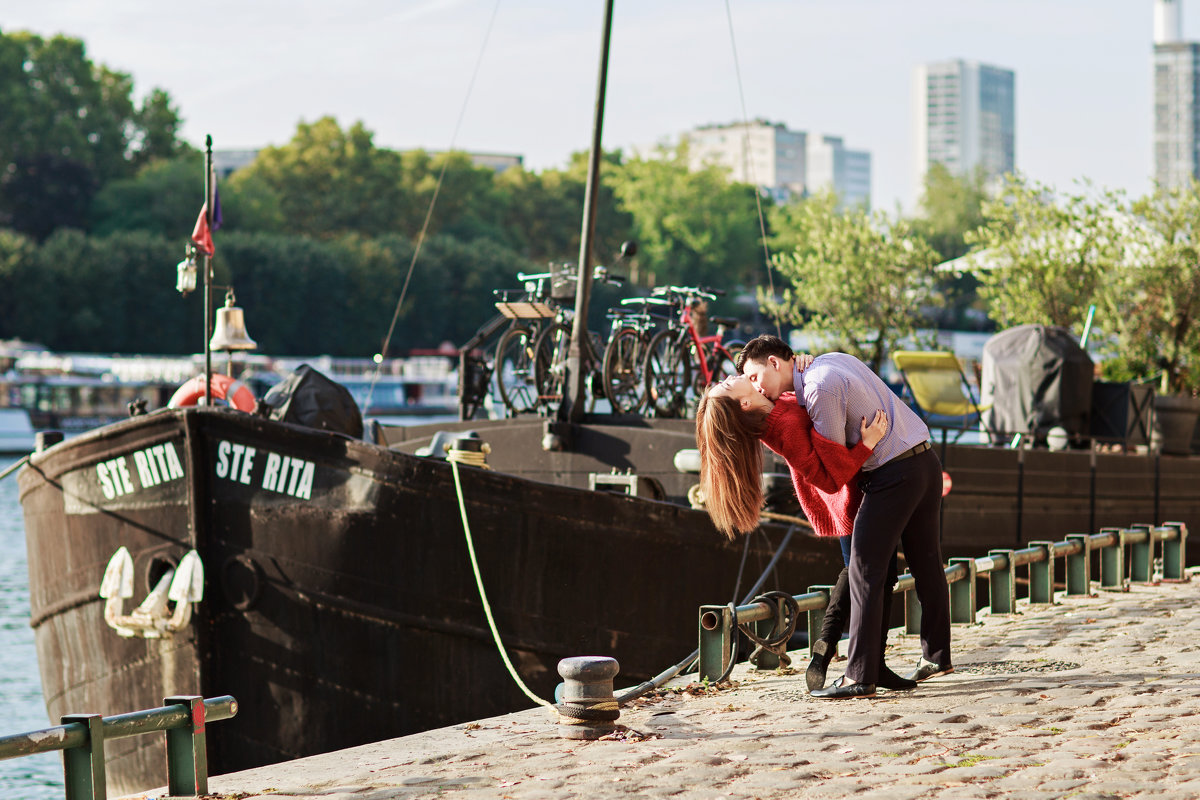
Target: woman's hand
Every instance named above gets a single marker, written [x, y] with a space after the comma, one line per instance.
[804, 361]
[873, 432]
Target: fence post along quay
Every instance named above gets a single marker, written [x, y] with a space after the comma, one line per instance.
[81, 739]
[1143, 544]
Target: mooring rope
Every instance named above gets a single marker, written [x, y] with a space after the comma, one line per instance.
[14, 467]
[487, 608]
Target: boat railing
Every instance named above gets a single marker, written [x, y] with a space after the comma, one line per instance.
[81, 737]
[1125, 556]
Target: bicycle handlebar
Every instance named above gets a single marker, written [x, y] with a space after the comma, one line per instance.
[689, 291]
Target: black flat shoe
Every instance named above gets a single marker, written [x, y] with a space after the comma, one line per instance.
[890, 680]
[927, 669]
[845, 692]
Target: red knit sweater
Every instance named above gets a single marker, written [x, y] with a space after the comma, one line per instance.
[822, 471]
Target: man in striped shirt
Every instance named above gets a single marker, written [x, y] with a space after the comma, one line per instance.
[902, 495]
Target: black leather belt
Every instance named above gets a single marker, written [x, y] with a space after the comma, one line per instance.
[912, 451]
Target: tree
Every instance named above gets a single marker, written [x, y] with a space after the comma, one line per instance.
[163, 198]
[1152, 297]
[952, 206]
[858, 279]
[1044, 255]
[692, 227]
[329, 181]
[68, 127]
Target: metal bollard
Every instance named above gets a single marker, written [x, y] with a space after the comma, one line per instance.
[962, 593]
[588, 709]
[1174, 554]
[1141, 554]
[1112, 562]
[1041, 575]
[1002, 588]
[1079, 566]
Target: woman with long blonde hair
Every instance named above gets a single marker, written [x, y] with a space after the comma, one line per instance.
[732, 418]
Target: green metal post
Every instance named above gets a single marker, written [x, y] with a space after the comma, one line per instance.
[1174, 554]
[912, 612]
[1079, 566]
[765, 658]
[83, 766]
[1002, 589]
[1141, 555]
[816, 616]
[962, 593]
[1041, 575]
[187, 753]
[716, 644]
[1112, 563]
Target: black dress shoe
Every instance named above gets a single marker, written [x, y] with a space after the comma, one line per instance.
[845, 692]
[814, 676]
[890, 680]
[927, 669]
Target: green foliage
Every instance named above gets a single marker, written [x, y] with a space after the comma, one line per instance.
[1045, 255]
[68, 127]
[164, 199]
[951, 205]
[858, 279]
[1153, 299]
[328, 182]
[692, 227]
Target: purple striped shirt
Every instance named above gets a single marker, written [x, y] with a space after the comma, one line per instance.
[839, 390]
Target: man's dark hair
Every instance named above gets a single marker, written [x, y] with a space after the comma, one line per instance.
[761, 347]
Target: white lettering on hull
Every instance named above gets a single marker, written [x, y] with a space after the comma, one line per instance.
[153, 466]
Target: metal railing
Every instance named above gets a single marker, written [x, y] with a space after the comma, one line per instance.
[718, 624]
[81, 737]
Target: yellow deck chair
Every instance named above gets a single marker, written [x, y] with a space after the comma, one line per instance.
[939, 389]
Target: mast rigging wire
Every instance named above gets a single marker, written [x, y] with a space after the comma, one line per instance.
[762, 226]
[432, 202]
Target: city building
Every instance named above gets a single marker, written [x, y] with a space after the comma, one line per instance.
[1176, 98]
[965, 117]
[784, 164]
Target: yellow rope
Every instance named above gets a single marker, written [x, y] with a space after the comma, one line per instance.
[487, 608]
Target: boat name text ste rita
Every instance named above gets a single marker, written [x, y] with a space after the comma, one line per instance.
[282, 474]
[235, 462]
[154, 465]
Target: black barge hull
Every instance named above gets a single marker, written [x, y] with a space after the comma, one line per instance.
[339, 602]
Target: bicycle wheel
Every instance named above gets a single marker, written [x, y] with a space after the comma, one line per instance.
[721, 366]
[624, 371]
[515, 370]
[550, 361]
[668, 374]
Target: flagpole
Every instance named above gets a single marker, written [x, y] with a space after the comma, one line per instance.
[206, 262]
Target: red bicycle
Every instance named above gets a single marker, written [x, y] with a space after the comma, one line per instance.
[683, 358]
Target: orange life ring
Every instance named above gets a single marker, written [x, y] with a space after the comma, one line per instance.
[234, 393]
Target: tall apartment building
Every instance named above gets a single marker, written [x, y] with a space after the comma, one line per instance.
[784, 164]
[1176, 98]
[965, 117]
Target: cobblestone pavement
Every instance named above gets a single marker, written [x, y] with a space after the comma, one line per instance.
[1095, 697]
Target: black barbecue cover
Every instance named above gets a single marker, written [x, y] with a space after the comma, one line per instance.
[306, 397]
[1037, 377]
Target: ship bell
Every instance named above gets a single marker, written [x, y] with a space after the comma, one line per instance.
[230, 331]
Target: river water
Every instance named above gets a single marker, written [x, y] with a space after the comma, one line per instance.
[37, 777]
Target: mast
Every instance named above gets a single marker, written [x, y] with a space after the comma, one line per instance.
[574, 387]
[206, 266]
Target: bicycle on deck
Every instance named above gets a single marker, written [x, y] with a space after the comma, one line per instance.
[683, 359]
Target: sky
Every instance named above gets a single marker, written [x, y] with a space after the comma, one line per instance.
[248, 71]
